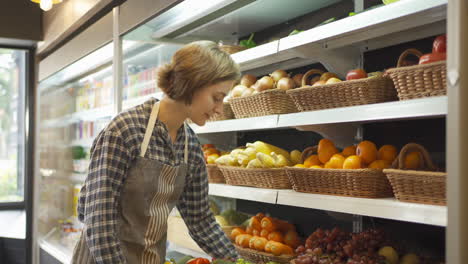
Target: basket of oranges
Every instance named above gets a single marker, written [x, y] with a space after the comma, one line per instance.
[326, 90]
[414, 178]
[356, 171]
[266, 239]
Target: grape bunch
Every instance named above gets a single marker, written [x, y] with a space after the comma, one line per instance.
[339, 247]
[366, 243]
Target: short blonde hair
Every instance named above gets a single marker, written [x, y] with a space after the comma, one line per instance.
[196, 65]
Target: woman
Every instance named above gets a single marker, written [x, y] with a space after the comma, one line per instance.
[147, 160]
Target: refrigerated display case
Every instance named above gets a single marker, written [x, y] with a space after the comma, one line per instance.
[336, 36]
[74, 105]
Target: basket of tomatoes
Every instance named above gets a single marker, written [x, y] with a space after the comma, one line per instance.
[428, 78]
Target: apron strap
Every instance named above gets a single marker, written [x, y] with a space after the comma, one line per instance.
[149, 132]
[186, 144]
[149, 129]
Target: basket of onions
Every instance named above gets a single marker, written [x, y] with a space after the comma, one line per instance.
[265, 96]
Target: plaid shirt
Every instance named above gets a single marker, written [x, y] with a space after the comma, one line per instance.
[112, 154]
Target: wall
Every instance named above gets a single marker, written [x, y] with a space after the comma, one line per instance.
[20, 20]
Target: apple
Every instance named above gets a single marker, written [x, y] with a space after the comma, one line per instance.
[356, 74]
[432, 57]
[332, 80]
[327, 75]
[440, 44]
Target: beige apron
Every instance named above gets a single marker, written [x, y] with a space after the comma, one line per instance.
[150, 192]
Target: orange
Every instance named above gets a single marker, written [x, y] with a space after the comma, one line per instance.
[269, 224]
[264, 233]
[275, 236]
[235, 232]
[367, 151]
[352, 162]
[325, 150]
[256, 232]
[243, 240]
[280, 249]
[316, 167]
[413, 161]
[291, 238]
[379, 164]
[255, 223]
[311, 160]
[388, 153]
[260, 243]
[249, 230]
[252, 241]
[348, 151]
[335, 162]
[268, 246]
[260, 216]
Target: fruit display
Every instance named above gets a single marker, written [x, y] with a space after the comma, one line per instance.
[267, 234]
[364, 155]
[337, 246]
[259, 155]
[211, 153]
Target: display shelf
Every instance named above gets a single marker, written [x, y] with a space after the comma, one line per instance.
[252, 123]
[129, 103]
[93, 114]
[409, 109]
[51, 244]
[388, 208]
[258, 56]
[405, 17]
[244, 193]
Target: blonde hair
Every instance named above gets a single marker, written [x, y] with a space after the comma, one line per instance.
[194, 66]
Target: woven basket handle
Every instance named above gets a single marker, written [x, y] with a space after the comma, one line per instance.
[410, 147]
[308, 74]
[405, 54]
[308, 152]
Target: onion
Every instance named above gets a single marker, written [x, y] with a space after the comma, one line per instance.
[265, 83]
[286, 83]
[248, 80]
[278, 74]
[298, 79]
[247, 92]
[238, 90]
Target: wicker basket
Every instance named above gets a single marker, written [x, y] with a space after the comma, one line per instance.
[231, 49]
[427, 187]
[261, 178]
[214, 174]
[366, 183]
[342, 94]
[227, 114]
[269, 102]
[419, 80]
[262, 257]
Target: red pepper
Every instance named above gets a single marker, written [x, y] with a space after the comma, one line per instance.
[432, 57]
[199, 261]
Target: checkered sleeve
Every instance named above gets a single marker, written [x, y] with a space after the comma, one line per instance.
[203, 228]
[109, 162]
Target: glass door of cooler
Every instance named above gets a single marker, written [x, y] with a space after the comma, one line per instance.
[75, 104]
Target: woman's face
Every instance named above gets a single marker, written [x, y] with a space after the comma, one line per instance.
[209, 101]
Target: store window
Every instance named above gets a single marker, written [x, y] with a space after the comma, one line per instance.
[12, 124]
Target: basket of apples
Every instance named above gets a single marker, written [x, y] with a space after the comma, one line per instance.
[326, 90]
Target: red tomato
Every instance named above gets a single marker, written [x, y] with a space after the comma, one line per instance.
[440, 44]
[432, 57]
[356, 74]
[199, 261]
